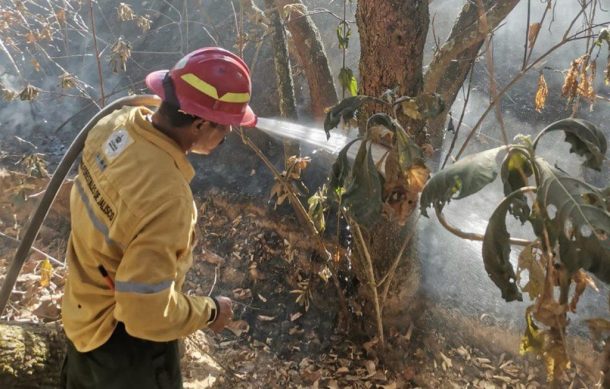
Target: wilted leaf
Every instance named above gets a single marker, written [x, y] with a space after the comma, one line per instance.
[340, 170]
[515, 171]
[295, 316]
[541, 94]
[242, 294]
[238, 327]
[418, 176]
[317, 206]
[125, 12]
[211, 257]
[120, 53]
[577, 213]
[143, 22]
[529, 261]
[581, 281]
[348, 81]
[496, 253]
[46, 271]
[533, 33]
[345, 110]
[464, 178]
[30, 92]
[598, 327]
[363, 188]
[585, 138]
[409, 152]
[411, 109]
[67, 81]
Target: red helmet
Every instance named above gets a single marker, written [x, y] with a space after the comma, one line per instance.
[210, 83]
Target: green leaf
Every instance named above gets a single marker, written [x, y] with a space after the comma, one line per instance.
[341, 169]
[345, 110]
[577, 213]
[496, 252]
[586, 140]
[348, 81]
[317, 206]
[515, 171]
[341, 37]
[464, 178]
[363, 194]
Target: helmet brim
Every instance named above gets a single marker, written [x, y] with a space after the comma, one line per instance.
[154, 82]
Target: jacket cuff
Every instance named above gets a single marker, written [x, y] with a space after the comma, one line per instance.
[214, 312]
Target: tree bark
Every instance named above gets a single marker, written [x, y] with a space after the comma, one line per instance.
[31, 355]
[452, 63]
[283, 71]
[392, 38]
[312, 57]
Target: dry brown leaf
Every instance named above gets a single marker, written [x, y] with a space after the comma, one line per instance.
[533, 33]
[541, 94]
[238, 327]
[570, 83]
[417, 176]
[370, 367]
[263, 299]
[295, 316]
[581, 280]
[265, 318]
[211, 257]
[242, 294]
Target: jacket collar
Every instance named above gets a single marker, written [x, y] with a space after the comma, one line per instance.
[150, 133]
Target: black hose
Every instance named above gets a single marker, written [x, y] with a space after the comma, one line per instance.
[58, 177]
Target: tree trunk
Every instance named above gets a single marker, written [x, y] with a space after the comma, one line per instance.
[392, 38]
[452, 63]
[313, 59]
[283, 71]
[31, 355]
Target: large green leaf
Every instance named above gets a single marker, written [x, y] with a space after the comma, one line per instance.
[345, 110]
[496, 251]
[464, 178]
[578, 215]
[515, 171]
[363, 194]
[585, 138]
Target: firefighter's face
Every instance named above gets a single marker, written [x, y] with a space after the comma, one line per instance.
[207, 136]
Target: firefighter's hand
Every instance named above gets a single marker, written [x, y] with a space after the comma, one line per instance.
[224, 315]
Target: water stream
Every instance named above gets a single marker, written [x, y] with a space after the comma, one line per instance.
[453, 271]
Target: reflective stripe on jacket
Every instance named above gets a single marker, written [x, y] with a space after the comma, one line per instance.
[132, 212]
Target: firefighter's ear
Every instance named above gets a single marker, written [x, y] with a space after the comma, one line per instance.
[198, 125]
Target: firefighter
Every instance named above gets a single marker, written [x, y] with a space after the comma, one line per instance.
[133, 220]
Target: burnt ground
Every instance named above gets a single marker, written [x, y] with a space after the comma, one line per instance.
[265, 262]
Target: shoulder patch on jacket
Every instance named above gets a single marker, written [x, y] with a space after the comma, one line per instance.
[116, 143]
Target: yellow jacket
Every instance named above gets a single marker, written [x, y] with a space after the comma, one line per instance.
[132, 213]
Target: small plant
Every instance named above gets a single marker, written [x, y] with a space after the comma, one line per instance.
[570, 220]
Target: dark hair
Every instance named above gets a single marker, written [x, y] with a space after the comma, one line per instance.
[175, 117]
